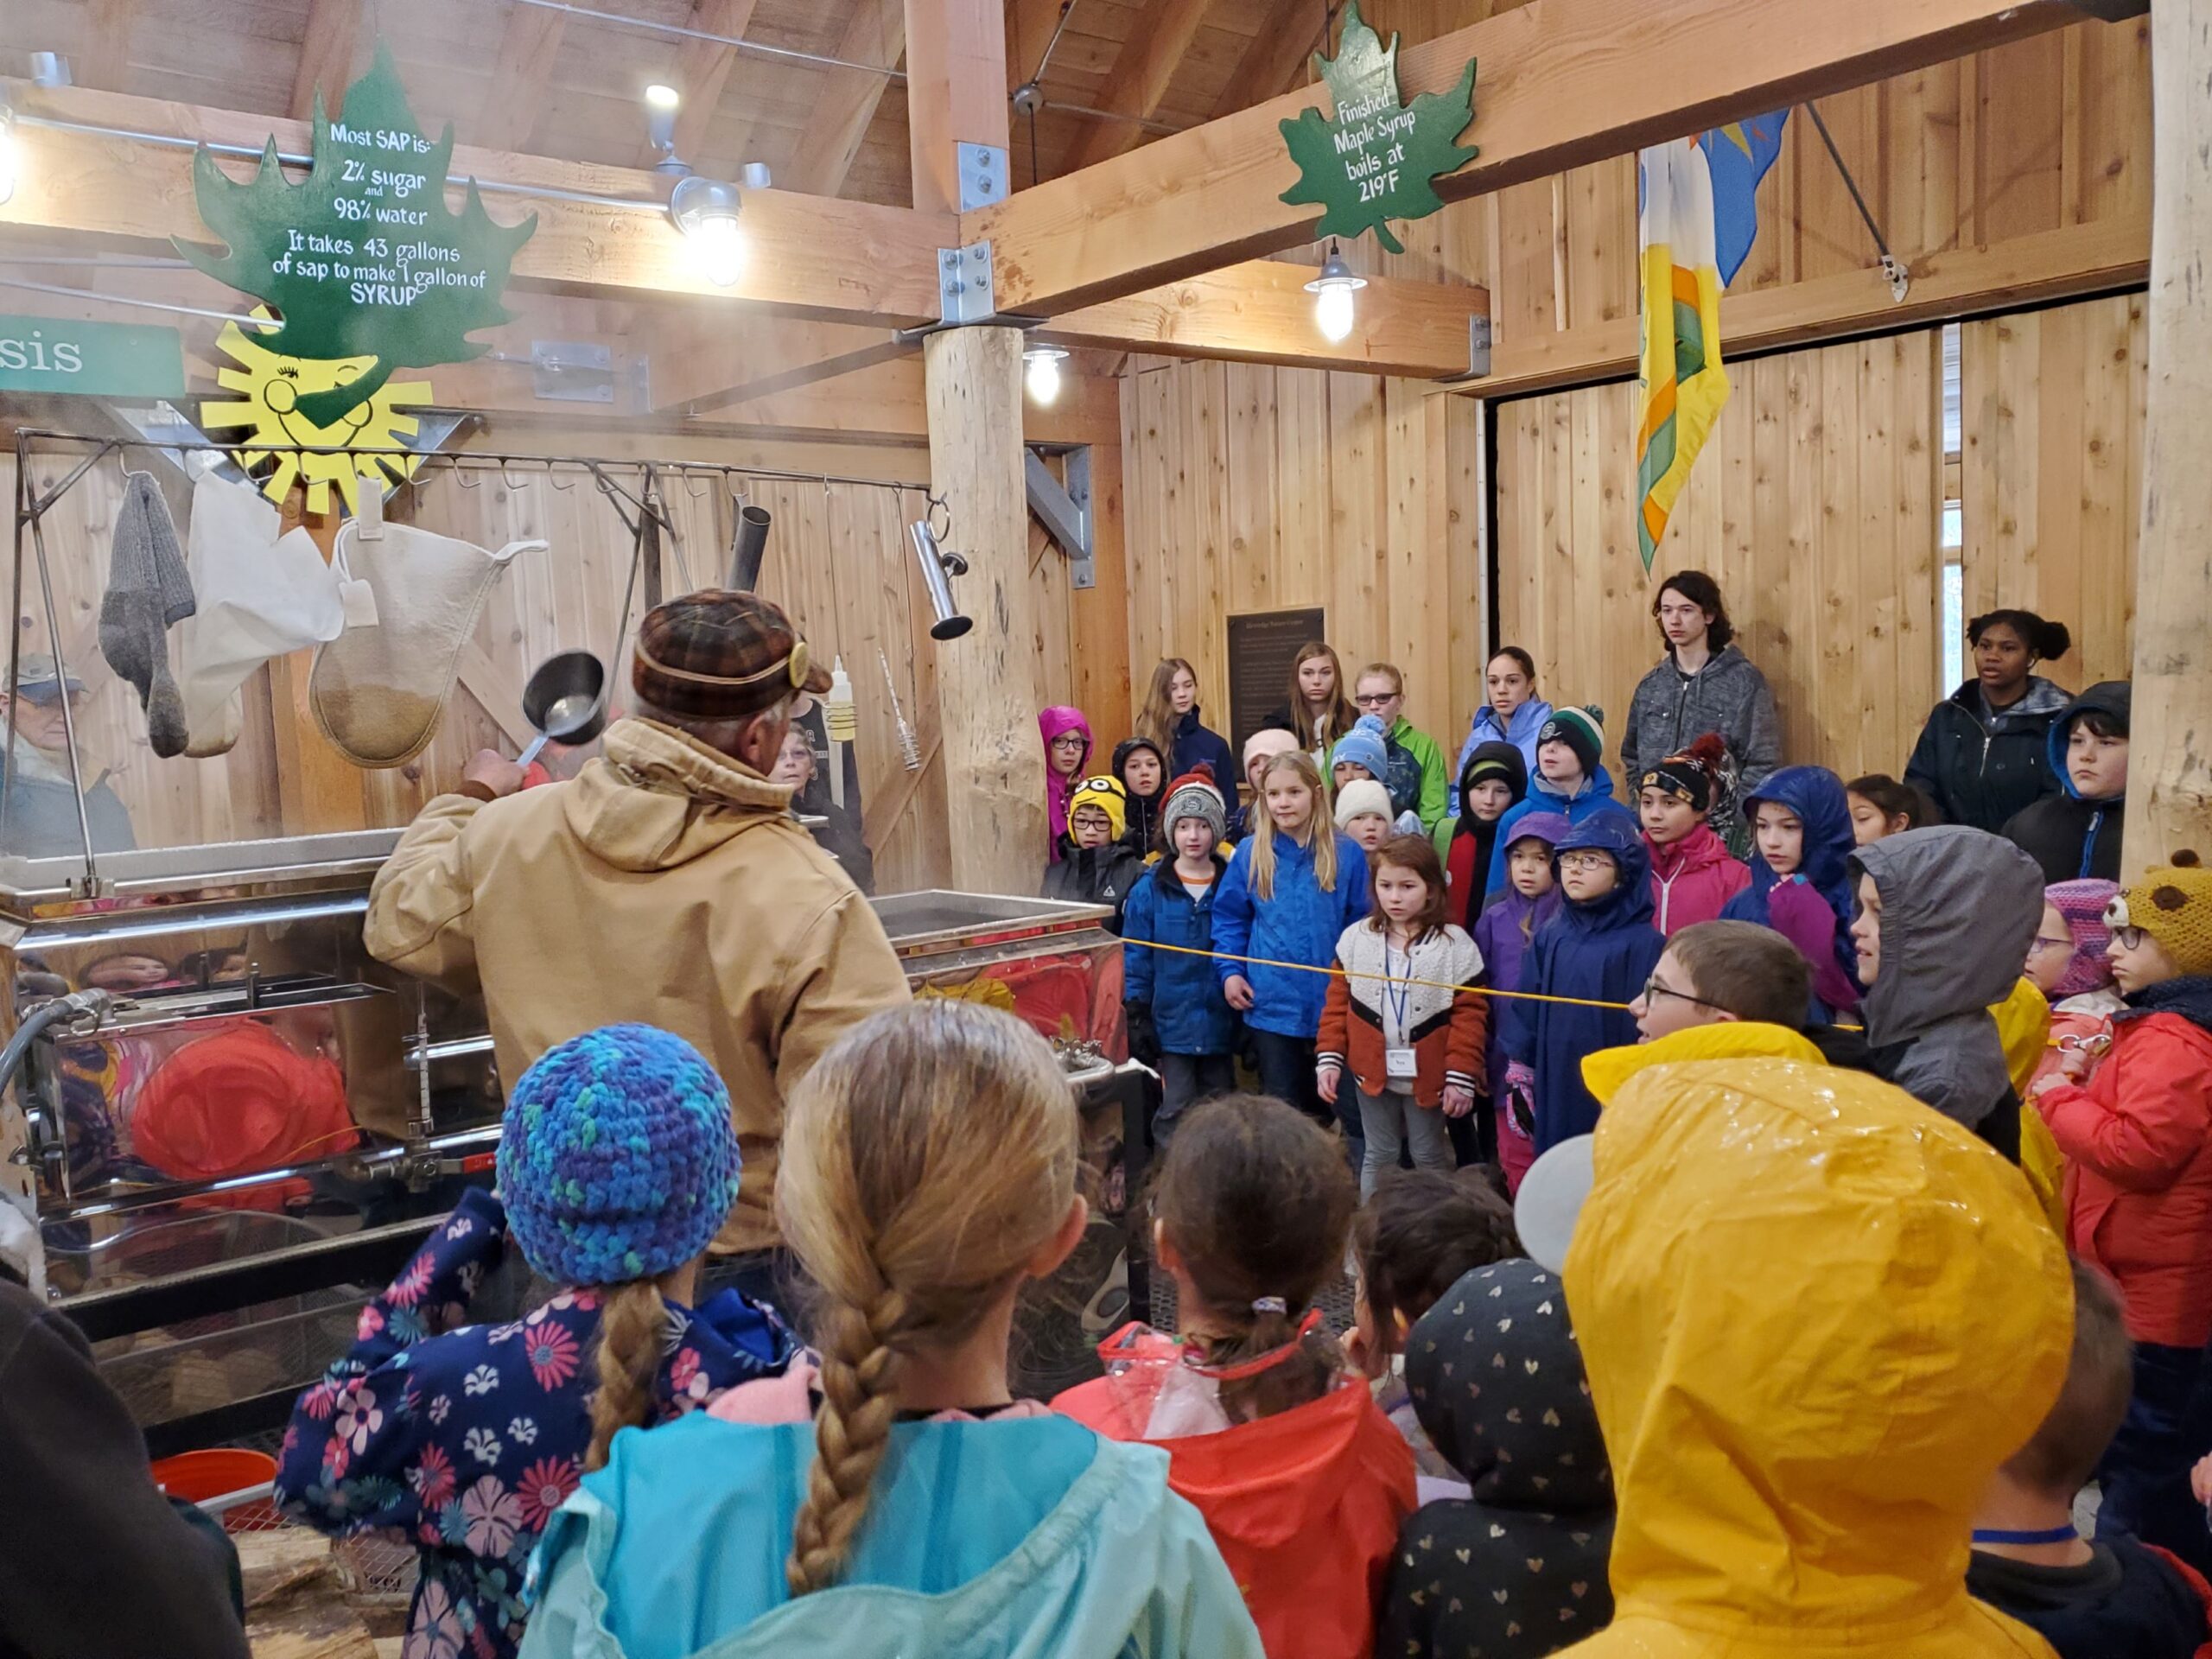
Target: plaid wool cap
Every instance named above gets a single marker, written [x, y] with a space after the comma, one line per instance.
[721, 655]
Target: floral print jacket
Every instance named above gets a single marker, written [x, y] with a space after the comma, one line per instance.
[464, 1439]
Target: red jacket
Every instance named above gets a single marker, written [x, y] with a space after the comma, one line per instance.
[1692, 879]
[2137, 1142]
[1447, 1028]
[1304, 1505]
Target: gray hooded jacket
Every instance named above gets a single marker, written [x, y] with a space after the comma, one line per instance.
[1959, 908]
[1671, 709]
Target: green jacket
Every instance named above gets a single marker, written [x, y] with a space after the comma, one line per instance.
[1433, 806]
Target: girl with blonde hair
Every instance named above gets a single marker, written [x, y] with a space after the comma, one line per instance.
[1291, 890]
[1170, 719]
[892, 1496]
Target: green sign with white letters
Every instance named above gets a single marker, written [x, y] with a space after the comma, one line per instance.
[102, 359]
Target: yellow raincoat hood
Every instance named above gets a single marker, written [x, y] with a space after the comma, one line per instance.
[1817, 1316]
[1607, 1072]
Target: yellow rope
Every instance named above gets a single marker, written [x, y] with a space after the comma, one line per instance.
[1394, 979]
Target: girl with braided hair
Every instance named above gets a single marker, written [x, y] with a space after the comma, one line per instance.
[618, 1162]
[890, 1495]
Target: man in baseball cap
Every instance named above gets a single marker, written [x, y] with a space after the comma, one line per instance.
[667, 884]
[41, 819]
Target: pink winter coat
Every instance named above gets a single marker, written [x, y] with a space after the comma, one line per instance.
[1054, 721]
[1693, 879]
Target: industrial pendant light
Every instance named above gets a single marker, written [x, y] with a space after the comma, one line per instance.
[1332, 292]
[1042, 364]
[706, 211]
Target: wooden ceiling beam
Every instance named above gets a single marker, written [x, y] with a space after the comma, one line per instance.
[106, 60]
[1563, 82]
[706, 363]
[837, 127]
[325, 65]
[703, 70]
[530, 45]
[1260, 311]
[1275, 56]
[1158, 38]
[810, 257]
[956, 91]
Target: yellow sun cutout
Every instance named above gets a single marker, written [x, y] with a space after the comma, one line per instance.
[371, 433]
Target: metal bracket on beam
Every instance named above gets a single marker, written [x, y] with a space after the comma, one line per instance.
[963, 284]
[1065, 510]
[1477, 347]
[985, 174]
[572, 371]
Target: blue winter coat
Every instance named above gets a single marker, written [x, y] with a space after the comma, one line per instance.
[1188, 1012]
[1300, 923]
[1603, 950]
[1194, 743]
[1816, 795]
[1596, 795]
[1521, 731]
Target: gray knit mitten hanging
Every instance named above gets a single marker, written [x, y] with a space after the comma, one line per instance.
[148, 590]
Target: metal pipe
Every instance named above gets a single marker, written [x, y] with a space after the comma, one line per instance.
[143, 305]
[748, 548]
[759, 49]
[68, 718]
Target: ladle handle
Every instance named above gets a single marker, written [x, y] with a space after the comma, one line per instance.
[535, 744]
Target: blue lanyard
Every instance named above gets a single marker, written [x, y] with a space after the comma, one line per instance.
[1397, 997]
[2065, 1535]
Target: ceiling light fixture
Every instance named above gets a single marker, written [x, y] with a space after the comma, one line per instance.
[662, 101]
[1042, 364]
[705, 211]
[1332, 292]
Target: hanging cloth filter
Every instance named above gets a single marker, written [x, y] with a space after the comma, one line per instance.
[412, 600]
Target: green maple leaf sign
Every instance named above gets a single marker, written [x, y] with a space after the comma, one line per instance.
[1376, 160]
[362, 257]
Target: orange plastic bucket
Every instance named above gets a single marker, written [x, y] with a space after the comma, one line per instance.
[196, 1477]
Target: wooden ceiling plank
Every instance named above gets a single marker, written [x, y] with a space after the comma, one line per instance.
[530, 45]
[105, 61]
[327, 48]
[1563, 82]
[1275, 57]
[704, 361]
[810, 257]
[1260, 311]
[956, 92]
[703, 69]
[824, 156]
[1157, 37]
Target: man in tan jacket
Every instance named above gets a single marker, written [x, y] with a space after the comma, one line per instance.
[667, 884]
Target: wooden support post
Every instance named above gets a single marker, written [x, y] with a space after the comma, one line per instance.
[992, 682]
[956, 91]
[2170, 780]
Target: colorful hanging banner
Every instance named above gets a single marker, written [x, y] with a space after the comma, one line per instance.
[1682, 385]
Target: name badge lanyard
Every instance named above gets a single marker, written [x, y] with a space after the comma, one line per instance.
[1397, 1002]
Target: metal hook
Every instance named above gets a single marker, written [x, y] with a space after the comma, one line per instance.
[697, 495]
[553, 478]
[938, 504]
[461, 475]
[507, 478]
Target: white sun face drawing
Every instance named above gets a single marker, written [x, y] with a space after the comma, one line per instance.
[368, 441]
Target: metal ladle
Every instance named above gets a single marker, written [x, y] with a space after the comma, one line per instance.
[565, 701]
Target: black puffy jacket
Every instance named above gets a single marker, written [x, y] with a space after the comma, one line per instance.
[1094, 875]
[1979, 769]
[2071, 837]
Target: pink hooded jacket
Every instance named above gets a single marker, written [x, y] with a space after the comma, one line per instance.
[1054, 721]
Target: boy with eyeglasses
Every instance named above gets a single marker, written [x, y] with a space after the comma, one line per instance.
[2138, 1134]
[1716, 972]
[1600, 948]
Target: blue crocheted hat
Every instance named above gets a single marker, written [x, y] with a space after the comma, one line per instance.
[617, 1157]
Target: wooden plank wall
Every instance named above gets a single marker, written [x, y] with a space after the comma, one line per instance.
[1251, 488]
[2028, 137]
[2052, 422]
[1816, 506]
[839, 561]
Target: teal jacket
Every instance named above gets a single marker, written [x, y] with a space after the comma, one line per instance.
[1032, 1537]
